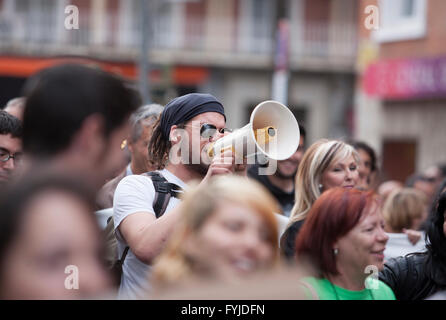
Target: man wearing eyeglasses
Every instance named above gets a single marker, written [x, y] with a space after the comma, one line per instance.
[187, 127]
[10, 145]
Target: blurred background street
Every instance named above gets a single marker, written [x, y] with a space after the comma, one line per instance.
[386, 87]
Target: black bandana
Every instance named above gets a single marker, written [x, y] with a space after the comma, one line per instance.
[186, 107]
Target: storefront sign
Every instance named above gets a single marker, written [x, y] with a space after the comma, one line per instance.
[406, 79]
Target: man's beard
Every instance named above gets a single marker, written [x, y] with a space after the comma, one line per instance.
[280, 175]
[200, 168]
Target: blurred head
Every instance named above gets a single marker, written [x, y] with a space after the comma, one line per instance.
[183, 124]
[16, 107]
[142, 122]
[227, 230]
[78, 115]
[435, 174]
[326, 164]
[10, 145]
[424, 184]
[404, 209]
[287, 169]
[344, 229]
[368, 163]
[48, 237]
[386, 188]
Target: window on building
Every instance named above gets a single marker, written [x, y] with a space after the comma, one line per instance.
[195, 24]
[263, 29]
[401, 20]
[112, 18]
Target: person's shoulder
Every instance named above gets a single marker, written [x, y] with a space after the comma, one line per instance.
[403, 262]
[384, 292]
[376, 284]
[134, 183]
[311, 287]
[136, 178]
[295, 226]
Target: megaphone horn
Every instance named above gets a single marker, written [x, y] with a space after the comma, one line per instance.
[272, 131]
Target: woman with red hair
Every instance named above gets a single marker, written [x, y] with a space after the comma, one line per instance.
[344, 238]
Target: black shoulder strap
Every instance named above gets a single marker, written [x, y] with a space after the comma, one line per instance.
[163, 191]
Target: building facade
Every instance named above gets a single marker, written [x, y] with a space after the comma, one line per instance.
[401, 90]
[227, 48]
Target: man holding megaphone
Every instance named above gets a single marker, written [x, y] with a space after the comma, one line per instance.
[187, 127]
[190, 142]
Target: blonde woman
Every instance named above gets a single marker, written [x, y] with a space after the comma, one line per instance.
[227, 231]
[404, 209]
[325, 165]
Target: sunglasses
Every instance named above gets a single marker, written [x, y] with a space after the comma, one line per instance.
[208, 130]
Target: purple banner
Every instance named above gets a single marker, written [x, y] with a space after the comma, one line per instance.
[407, 79]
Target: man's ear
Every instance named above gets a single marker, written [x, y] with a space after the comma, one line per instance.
[89, 139]
[174, 136]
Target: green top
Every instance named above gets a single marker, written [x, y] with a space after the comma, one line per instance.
[328, 291]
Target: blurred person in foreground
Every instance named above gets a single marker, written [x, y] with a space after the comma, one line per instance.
[227, 232]
[343, 237]
[142, 122]
[368, 168]
[281, 184]
[10, 146]
[404, 210]
[186, 128]
[50, 244]
[325, 165]
[16, 107]
[420, 275]
[75, 120]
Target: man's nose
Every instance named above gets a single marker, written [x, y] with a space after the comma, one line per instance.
[217, 135]
[9, 164]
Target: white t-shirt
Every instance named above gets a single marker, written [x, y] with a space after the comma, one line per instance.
[135, 194]
[399, 245]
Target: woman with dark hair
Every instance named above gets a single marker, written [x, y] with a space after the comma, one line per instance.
[368, 167]
[420, 275]
[344, 239]
[50, 245]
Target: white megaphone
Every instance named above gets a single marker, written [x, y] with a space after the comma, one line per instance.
[272, 131]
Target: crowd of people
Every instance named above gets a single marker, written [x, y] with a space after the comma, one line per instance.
[324, 225]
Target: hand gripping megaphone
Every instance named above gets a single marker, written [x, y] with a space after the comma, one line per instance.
[272, 131]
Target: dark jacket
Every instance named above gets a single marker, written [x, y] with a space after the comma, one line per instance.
[411, 278]
[288, 240]
[286, 199]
